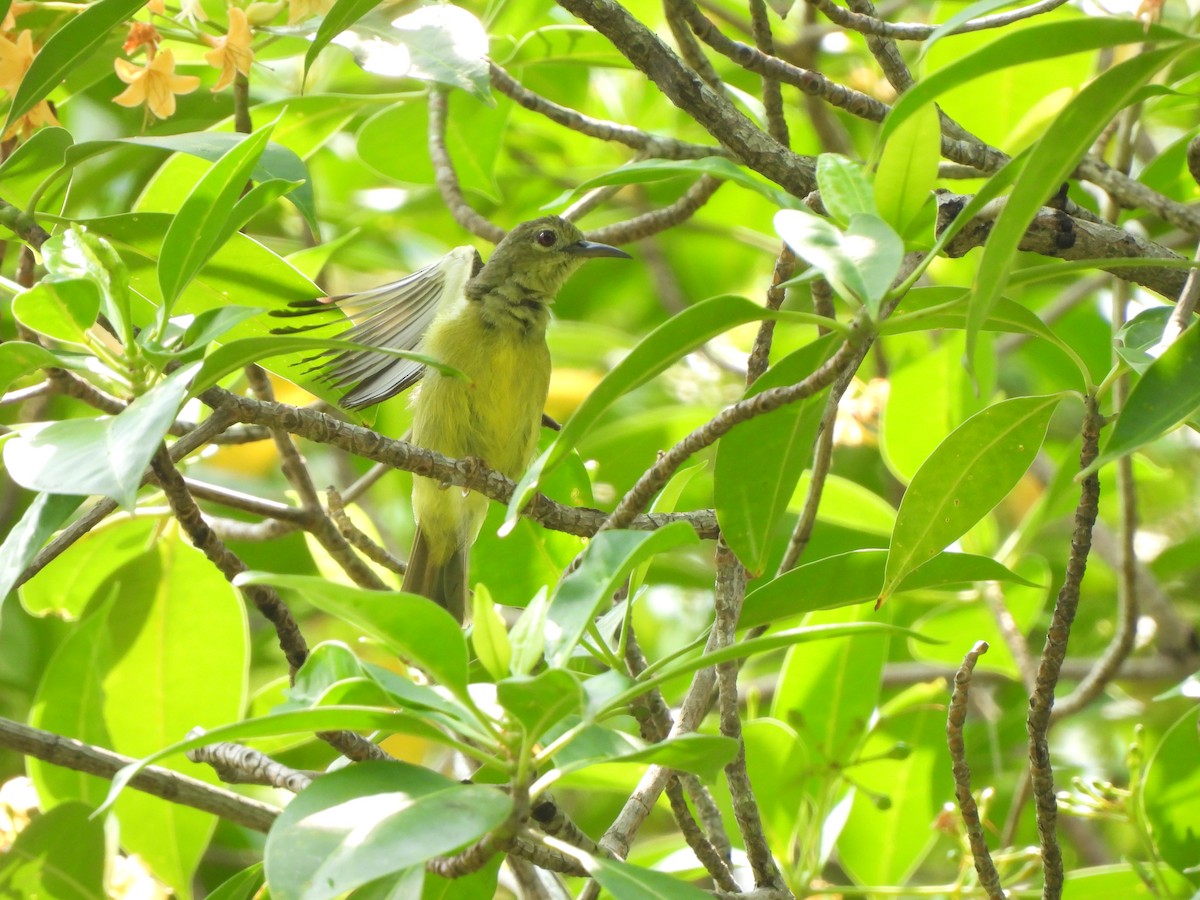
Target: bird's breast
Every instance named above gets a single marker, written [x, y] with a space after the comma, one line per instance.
[495, 416]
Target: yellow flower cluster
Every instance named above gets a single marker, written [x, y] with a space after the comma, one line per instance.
[16, 55]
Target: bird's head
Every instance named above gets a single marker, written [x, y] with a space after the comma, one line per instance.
[542, 254]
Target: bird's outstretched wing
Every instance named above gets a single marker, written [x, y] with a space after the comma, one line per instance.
[396, 316]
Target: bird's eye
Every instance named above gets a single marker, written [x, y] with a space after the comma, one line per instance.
[546, 238]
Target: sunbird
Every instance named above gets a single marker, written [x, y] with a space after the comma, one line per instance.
[488, 321]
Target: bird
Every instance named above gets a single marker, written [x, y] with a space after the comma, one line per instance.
[488, 321]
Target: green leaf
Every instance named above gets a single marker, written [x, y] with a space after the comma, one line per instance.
[701, 754]
[63, 309]
[373, 819]
[1140, 335]
[746, 648]
[206, 219]
[172, 621]
[245, 885]
[628, 882]
[860, 263]
[607, 560]
[31, 163]
[67, 47]
[647, 171]
[341, 16]
[759, 461]
[969, 473]
[22, 543]
[71, 580]
[489, 637]
[845, 191]
[1048, 41]
[540, 701]
[408, 625]
[443, 44]
[1167, 394]
[20, 358]
[849, 578]
[107, 455]
[528, 635]
[1169, 796]
[1069, 136]
[908, 168]
[276, 163]
[323, 718]
[61, 854]
[829, 691]
[966, 14]
[675, 338]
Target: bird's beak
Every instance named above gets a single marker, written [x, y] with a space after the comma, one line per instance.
[591, 248]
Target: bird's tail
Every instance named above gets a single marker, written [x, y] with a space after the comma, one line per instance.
[445, 583]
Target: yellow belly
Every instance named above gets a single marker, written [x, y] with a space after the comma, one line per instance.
[495, 417]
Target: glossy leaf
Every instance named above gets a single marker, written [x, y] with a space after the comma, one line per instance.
[849, 578]
[969, 473]
[623, 880]
[373, 819]
[107, 455]
[410, 626]
[908, 168]
[171, 621]
[1170, 794]
[489, 636]
[277, 162]
[746, 648]
[324, 718]
[1048, 41]
[845, 190]
[701, 754]
[1167, 394]
[40, 520]
[442, 44]
[609, 557]
[61, 854]
[341, 16]
[860, 263]
[31, 163]
[540, 701]
[21, 358]
[60, 309]
[759, 461]
[206, 219]
[1051, 160]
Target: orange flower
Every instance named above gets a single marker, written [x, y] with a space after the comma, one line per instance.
[231, 52]
[154, 85]
[141, 35]
[158, 7]
[15, 57]
[302, 9]
[10, 17]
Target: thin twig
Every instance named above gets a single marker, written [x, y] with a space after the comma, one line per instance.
[472, 474]
[238, 764]
[447, 178]
[1042, 701]
[359, 538]
[652, 145]
[989, 879]
[771, 96]
[917, 31]
[729, 594]
[80, 757]
[657, 220]
[760, 353]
